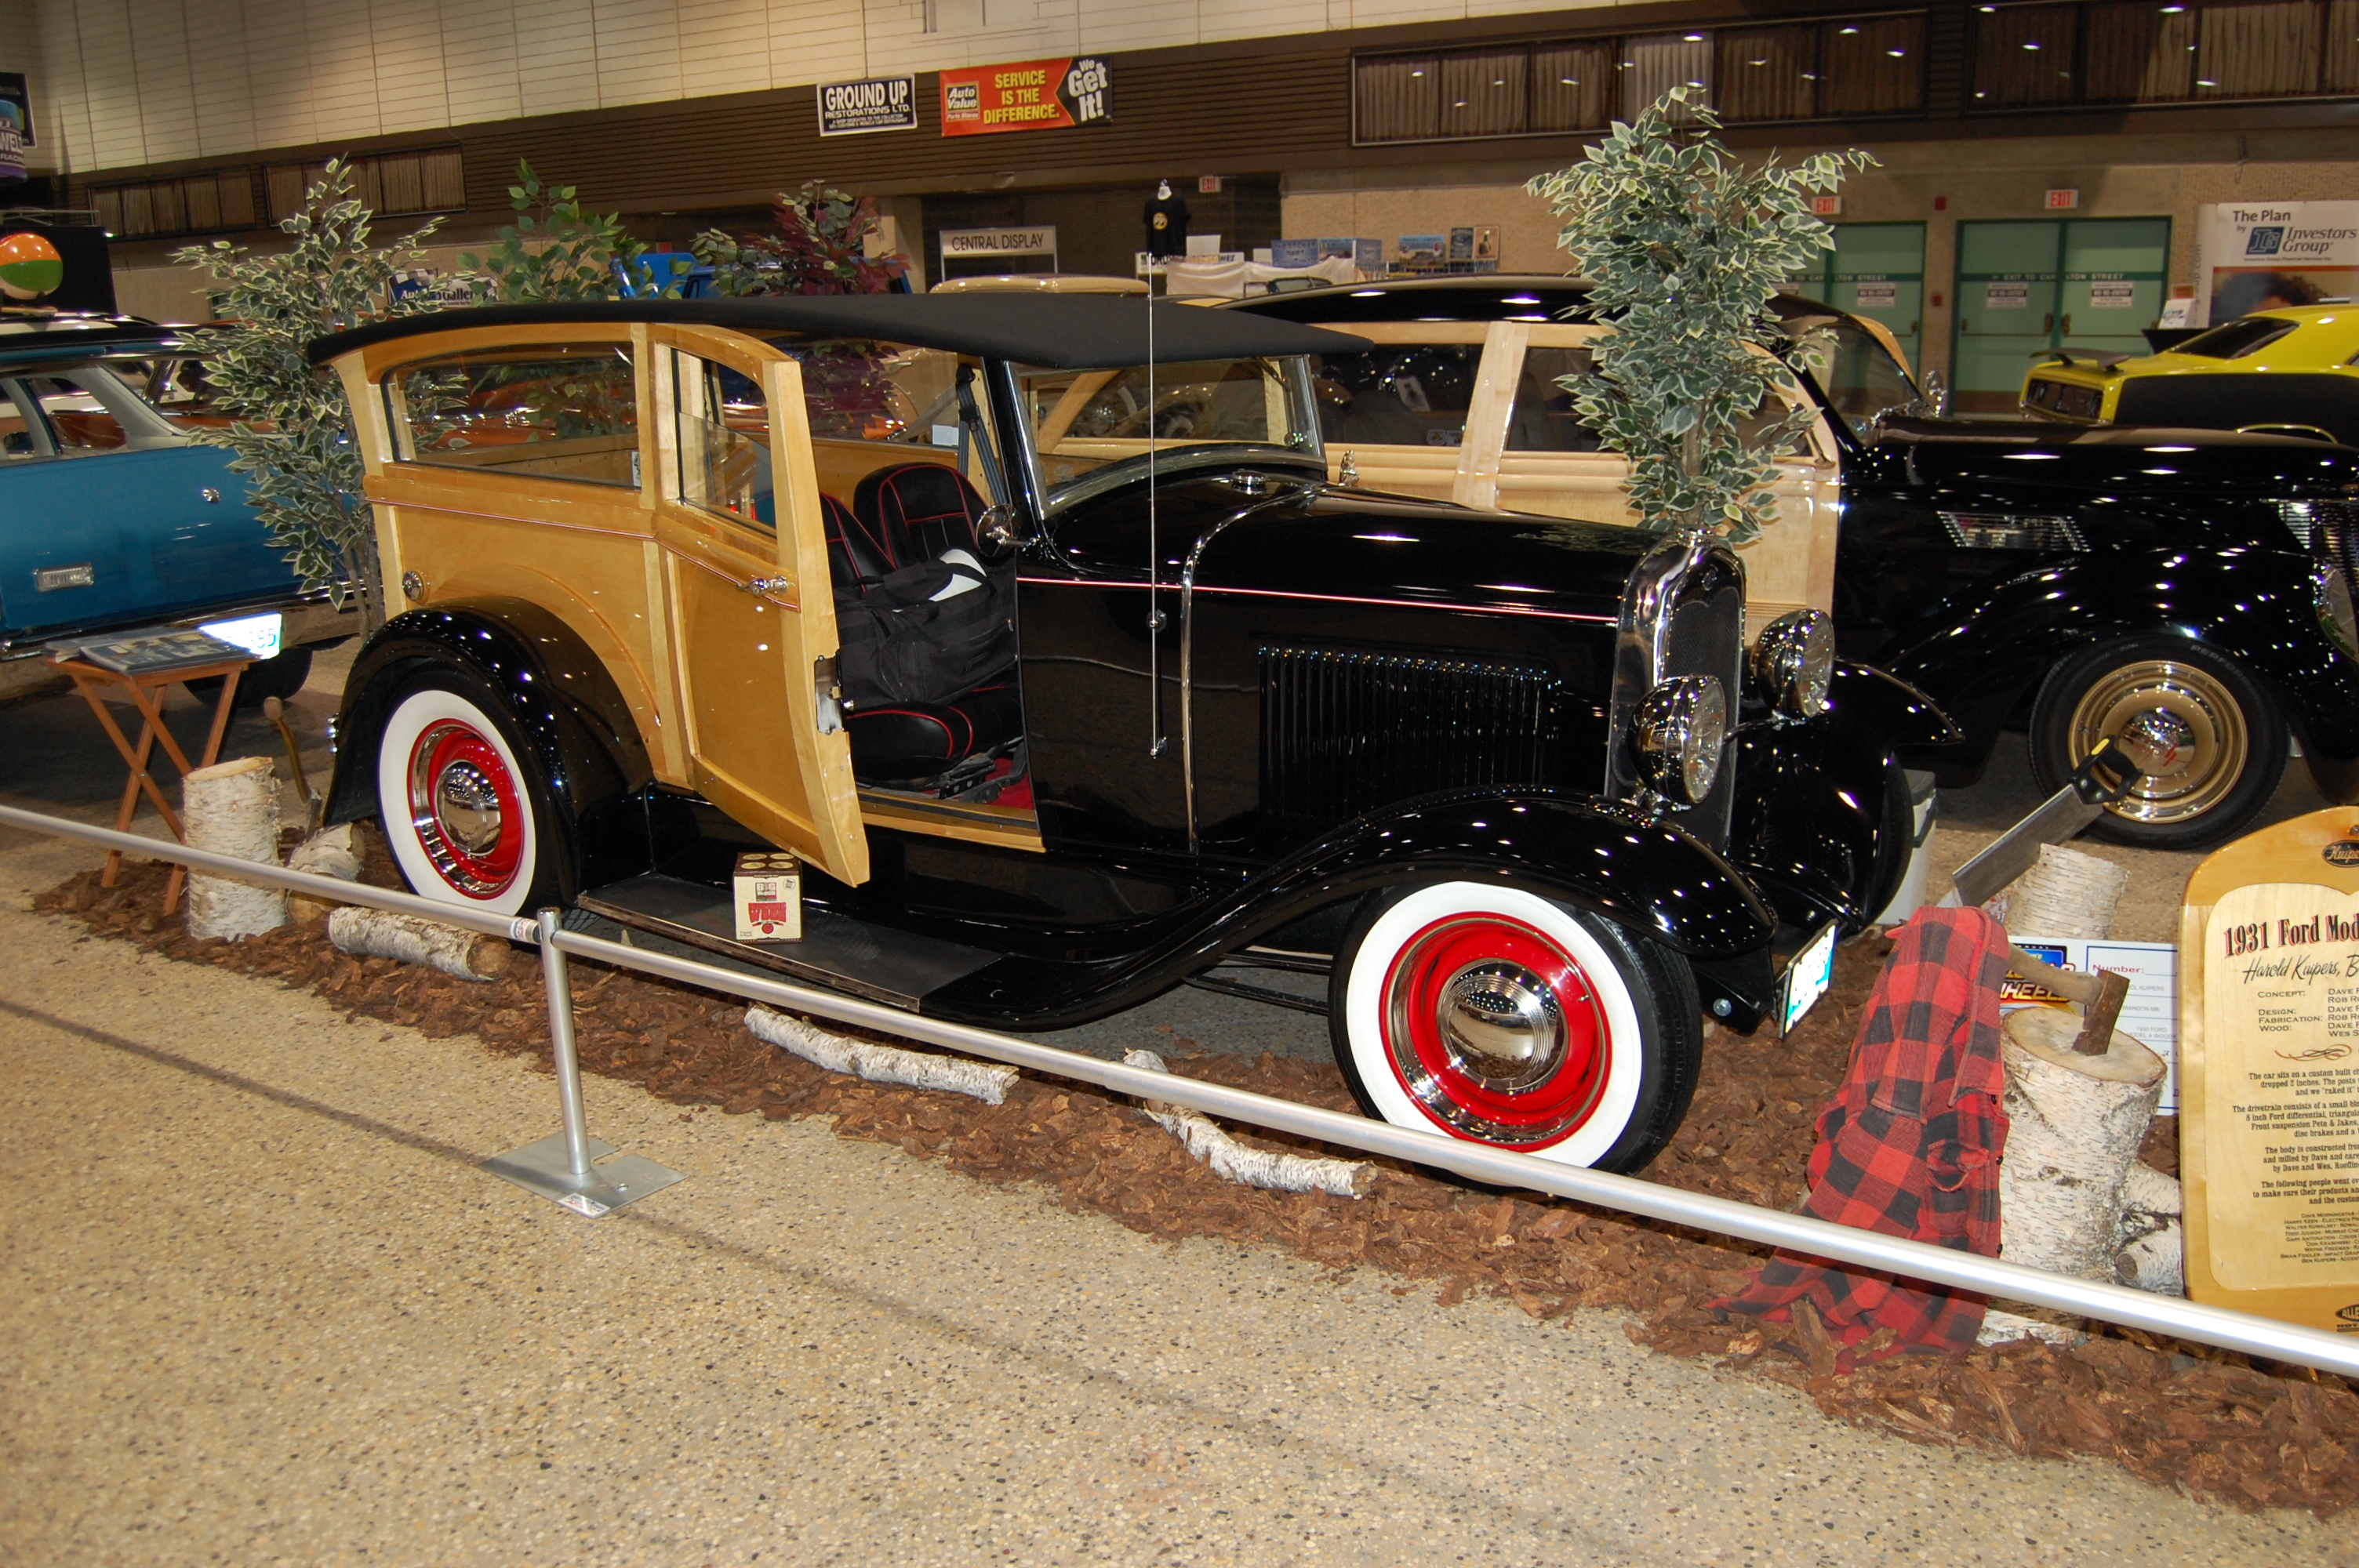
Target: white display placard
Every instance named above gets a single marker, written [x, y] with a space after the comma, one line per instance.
[2007, 295]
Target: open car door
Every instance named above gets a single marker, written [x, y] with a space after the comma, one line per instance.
[742, 545]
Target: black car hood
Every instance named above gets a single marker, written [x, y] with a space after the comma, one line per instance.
[2114, 458]
[1322, 542]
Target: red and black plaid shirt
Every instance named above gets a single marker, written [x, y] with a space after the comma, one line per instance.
[1910, 1145]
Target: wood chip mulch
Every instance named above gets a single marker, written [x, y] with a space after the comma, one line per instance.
[2209, 1423]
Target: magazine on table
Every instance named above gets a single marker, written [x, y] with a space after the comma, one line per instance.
[147, 652]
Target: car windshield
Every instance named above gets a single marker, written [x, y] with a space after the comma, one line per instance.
[2238, 338]
[1088, 424]
[1858, 373]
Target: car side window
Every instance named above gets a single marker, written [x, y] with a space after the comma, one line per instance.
[22, 432]
[1410, 396]
[555, 412]
[720, 431]
[1543, 419]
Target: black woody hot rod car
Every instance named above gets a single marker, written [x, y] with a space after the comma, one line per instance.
[2018, 573]
[684, 578]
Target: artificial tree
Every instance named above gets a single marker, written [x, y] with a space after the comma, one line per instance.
[554, 250]
[292, 428]
[819, 248]
[1684, 247]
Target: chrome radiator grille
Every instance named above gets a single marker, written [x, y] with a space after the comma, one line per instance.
[1343, 732]
[2334, 535]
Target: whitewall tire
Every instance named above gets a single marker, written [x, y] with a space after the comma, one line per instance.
[464, 814]
[1496, 1015]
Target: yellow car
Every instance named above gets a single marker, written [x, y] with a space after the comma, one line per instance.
[2289, 372]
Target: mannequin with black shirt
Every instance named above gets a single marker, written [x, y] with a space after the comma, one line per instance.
[1166, 223]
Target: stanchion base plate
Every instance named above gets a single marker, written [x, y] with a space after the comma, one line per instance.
[614, 1179]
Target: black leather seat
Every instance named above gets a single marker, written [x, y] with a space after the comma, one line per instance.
[900, 516]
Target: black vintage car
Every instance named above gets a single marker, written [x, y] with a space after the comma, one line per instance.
[2015, 572]
[687, 578]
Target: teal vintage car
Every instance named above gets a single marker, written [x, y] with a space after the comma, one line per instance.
[112, 517]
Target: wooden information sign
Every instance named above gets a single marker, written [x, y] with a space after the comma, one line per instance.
[2268, 1059]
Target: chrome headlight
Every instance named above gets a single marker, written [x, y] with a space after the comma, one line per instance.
[2335, 610]
[1794, 661]
[1682, 727]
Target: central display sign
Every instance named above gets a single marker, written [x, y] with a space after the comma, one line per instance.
[1028, 95]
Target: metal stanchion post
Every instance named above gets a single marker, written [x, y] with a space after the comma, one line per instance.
[559, 1166]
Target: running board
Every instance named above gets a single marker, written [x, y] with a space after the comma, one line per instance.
[898, 968]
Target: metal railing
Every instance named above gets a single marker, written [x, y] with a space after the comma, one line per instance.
[1916, 1261]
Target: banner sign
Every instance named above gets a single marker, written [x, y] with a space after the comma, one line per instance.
[1029, 96]
[872, 104]
[1033, 242]
[16, 125]
[2258, 256]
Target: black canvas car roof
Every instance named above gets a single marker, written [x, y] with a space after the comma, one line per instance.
[1065, 331]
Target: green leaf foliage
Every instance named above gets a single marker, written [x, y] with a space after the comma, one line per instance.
[819, 248]
[554, 250]
[292, 428]
[1684, 247]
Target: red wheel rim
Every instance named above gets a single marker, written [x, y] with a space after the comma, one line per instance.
[1495, 1031]
[465, 809]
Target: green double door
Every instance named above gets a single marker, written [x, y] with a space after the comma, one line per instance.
[1876, 270]
[2027, 286]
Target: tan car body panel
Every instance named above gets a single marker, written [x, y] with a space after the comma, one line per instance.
[1790, 567]
[717, 677]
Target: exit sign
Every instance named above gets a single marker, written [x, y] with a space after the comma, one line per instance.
[2059, 200]
[1826, 206]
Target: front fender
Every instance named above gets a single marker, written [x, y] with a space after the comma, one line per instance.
[1612, 861]
[2255, 607]
[559, 696]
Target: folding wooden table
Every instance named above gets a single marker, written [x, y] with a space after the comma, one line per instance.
[146, 688]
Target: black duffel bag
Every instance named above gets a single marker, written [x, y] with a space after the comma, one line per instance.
[901, 643]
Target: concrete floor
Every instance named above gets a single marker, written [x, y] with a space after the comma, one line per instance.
[263, 1308]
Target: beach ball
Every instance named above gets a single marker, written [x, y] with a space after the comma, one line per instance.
[29, 266]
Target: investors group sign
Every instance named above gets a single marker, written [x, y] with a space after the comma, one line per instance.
[1028, 95]
[2258, 256]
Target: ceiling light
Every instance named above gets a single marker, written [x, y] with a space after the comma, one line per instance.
[1535, 299]
[1569, 80]
[1417, 73]
[1695, 38]
[1849, 31]
[1759, 62]
[2205, 82]
[2031, 46]
[1897, 54]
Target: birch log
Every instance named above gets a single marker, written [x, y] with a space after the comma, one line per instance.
[231, 808]
[1236, 1161]
[2067, 893]
[382, 934]
[986, 1081]
[2074, 1125]
[2153, 1254]
[329, 852]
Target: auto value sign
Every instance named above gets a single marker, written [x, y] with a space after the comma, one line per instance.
[872, 104]
[1029, 96]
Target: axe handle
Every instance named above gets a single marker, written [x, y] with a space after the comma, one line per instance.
[2096, 1036]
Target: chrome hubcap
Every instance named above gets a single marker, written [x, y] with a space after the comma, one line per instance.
[467, 805]
[2191, 777]
[1502, 1026]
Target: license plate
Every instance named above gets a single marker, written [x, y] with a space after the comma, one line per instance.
[258, 634]
[1806, 979]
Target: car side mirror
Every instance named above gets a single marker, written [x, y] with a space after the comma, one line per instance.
[998, 532]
